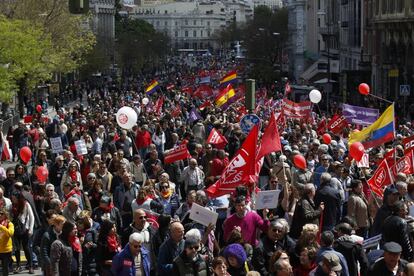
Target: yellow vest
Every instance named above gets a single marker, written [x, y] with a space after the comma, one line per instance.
[6, 234]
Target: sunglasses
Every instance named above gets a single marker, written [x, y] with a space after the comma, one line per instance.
[50, 190]
[164, 187]
[194, 247]
[277, 230]
[136, 246]
[143, 217]
[91, 177]
[273, 181]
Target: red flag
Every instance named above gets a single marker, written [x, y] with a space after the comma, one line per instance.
[390, 157]
[216, 138]
[203, 91]
[240, 168]
[5, 154]
[381, 177]
[321, 127]
[187, 89]
[176, 110]
[408, 142]
[404, 165]
[337, 124]
[204, 105]
[159, 104]
[270, 139]
[170, 86]
[179, 153]
[281, 121]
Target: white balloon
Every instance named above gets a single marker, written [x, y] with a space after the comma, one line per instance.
[145, 101]
[315, 96]
[126, 117]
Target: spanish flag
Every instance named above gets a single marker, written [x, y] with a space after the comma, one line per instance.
[380, 132]
[152, 87]
[225, 95]
[229, 78]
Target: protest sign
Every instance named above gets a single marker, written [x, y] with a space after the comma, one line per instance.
[56, 144]
[81, 147]
[267, 199]
[203, 215]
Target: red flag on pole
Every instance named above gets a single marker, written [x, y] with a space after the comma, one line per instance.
[179, 153]
[217, 139]
[240, 168]
[270, 139]
[382, 177]
[404, 165]
[159, 104]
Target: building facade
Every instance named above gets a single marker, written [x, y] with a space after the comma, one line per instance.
[193, 25]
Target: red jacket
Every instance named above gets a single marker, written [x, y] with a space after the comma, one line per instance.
[142, 139]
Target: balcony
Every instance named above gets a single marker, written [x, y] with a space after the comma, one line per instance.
[329, 31]
[344, 24]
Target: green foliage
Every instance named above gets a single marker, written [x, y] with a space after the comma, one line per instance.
[139, 45]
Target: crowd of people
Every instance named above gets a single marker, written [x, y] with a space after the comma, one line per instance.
[121, 210]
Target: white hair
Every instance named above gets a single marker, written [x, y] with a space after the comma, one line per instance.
[136, 237]
[193, 234]
[50, 185]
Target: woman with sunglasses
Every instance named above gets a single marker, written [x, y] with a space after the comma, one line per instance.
[6, 245]
[190, 262]
[71, 175]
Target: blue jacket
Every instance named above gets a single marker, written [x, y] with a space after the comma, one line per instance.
[168, 251]
[123, 264]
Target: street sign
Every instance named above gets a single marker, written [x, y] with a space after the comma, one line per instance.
[248, 121]
[405, 90]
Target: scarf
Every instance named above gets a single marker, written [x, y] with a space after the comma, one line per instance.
[75, 244]
[113, 244]
[166, 194]
[73, 175]
[72, 193]
[141, 201]
[109, 208]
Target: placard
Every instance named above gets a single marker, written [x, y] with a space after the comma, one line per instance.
[81, 147]
[56, 144]
[203, 215]
[267, 199]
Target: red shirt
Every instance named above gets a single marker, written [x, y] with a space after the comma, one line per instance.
[142, 139]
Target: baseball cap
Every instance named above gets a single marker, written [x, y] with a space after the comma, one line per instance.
[392, 247]
[332, 261]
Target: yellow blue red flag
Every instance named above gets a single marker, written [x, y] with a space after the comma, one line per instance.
[152, 87]
[225, 96]
[228, 78]
[380, 132]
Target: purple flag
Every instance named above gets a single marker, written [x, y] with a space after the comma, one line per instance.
[359, 115]
[194, 115]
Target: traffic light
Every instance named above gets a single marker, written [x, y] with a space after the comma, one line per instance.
[78, 6]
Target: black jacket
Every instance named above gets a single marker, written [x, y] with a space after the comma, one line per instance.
[114, 215]
[265, 249]
[379, 268]
[48, 238]
[332, 200]
[305, 212]
[89, 267]
[353, 253]
[396, 229]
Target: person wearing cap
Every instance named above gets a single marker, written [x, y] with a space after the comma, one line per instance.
[395, 229]
[190, 262]
[391, 196]
[391, 263]
[107, 211]
[329, 266]
[237, 259]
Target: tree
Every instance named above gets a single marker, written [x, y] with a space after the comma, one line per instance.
[265, 37]
[24, 48]
[67, 39]
[139, 45]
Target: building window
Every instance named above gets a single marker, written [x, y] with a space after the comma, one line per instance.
[208, 23]
[176, 33]
[208, 33]
[194, 33]
[319, 22]
[400, 5]
[186, 22]
[165, 11]
[166, 23]
[384, 6]
[158, 23]
[186, 33]
[195, 22]
[201, 33]
[176, 23]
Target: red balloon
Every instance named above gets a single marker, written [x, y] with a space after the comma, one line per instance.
[363, 88]
[299, 161]
[356, 150]
[42, 173]
[326, 138]
[25, 154]
[39, 108]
